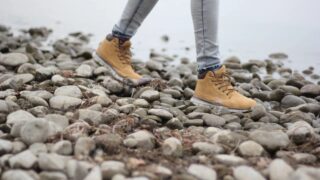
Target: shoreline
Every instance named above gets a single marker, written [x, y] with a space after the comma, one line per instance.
[64, 117]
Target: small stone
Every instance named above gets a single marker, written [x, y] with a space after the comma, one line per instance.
[64, 102]
[141, 103]
[207, 148]
[154, 65]
[25, 160]
[84, 70]
[112, 85]
[5, 146]
[38, 148]
[304, 158]
[250, 148]
[230, 160]
[271, 140]
[279, 169]
[17, 147]
[247, 173]
[160, 171]
[306, 173]
[202, 172]
[310, 90]
[291, 101]
[300, 131]
[45, 175]
[172, 147]
[60, 121]
[140, 139]
[95, 174]
[13, 59]
[71, 91]
[174, 123]
[84, 146]
[34, 131]
[213, 120]
[63, 147]
[109, 142]
[111, 168]
[19, 117]
[90, 116]
[16, 175]
[150, 95]
[163, 114]
[258, 112]
[51, 162]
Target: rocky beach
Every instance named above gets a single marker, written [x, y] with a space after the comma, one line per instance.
[62, 116]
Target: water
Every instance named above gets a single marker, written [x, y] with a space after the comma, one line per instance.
[250, 29]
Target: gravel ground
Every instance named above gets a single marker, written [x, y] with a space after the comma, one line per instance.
[64, 117]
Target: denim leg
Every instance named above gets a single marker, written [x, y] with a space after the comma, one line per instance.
[205, 21]
[132, 17]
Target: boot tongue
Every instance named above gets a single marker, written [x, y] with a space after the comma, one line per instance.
[220, 71]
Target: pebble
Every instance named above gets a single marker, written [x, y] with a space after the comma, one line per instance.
[300, 131]
[64, 102]
[207, 148]
[310, 90]
[16, 174]
[51, 162]
[230, 160]
[247, 173]
[63, 147]
[172, 147]
[291, 101]
[213, 120]
[202, 172]
[70, 91]
[37, 130]
[84, 146]
[84, 70]
[163, 114]
[5, 146]
[250, 149]
[45, 175]
[150, 95]
[271, 140]
[111, 168]
[140, 139]
[13, 59]
[25, 160]
[279, 169]
[95, 174]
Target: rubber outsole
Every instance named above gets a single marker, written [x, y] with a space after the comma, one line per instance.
[114, 73]
[216, 107]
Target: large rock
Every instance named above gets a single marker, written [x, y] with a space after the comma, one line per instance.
[13, 59]
[271, 140]
[300, 131]
[279, 169]
[71, 91]
[202, 172]
[247, 173]
[140, 139]
[64, 102]
[34, 131]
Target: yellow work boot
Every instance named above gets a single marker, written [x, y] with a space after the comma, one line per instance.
[116, 56]
[215, 90]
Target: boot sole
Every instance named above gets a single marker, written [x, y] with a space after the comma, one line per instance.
[215, 106]
[113, 72]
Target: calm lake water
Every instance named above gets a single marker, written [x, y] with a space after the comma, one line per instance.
[250, 29]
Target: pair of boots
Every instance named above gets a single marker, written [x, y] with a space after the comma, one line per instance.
[214, 89]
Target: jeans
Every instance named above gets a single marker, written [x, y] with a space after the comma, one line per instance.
[205, 21]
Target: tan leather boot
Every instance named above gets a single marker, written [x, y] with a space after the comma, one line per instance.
[116, 57]
[215, 89]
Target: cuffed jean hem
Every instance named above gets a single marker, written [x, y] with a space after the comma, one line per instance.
[120, 35]
[205, 64]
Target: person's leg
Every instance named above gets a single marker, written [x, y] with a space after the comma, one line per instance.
[205, 20]
[132, 17]
[214, 86]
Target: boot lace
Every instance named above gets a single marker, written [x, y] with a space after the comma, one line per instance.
[223, 82]
[124, 53]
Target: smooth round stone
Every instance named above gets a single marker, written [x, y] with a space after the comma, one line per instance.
[250, 148]
[64, 102]
[34, 131]
[13, 59]
[71, 91]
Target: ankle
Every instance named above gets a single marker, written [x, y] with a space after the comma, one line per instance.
[202, 72]
[121, 36]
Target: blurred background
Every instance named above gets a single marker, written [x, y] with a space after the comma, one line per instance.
[249, 29]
